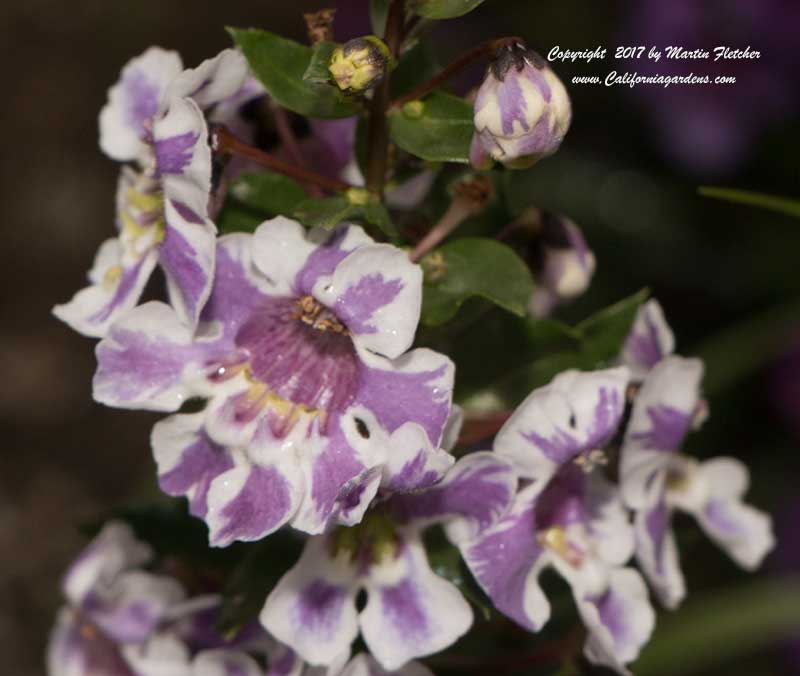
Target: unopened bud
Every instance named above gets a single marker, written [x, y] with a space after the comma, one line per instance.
[522, 110]
[563, 264]
[358, 65]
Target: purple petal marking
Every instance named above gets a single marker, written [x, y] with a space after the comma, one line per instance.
[179, 260]
[322, 262]
[134, 363]
[142, 97]
[613, 615]
[319, 369]
[283, 664]
[668, 427]
[413, 474]
[396, 398]
[502, 561]
[607, 414]
[233, 296]
[198, 466]
[558, 448]
[187, 213]
[127, 623]
[403, 608]
[356, 306]
[720, 519]
[174, 154]
[477, 493]
[126, 284]
[512, 103]
[319, 608]
[657, 523]
[541, 140]
[563, 502]
[645, 347]
[334, 467]
[84, 652]
[261, 505]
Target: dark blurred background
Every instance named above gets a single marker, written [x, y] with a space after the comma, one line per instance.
[726, 275]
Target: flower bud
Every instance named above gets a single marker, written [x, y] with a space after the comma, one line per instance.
[563, 264]
[359, 64]
[522, 110]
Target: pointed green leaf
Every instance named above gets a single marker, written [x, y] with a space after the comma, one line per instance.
[378, 11]
[317, 71]
[253, 198]
[325, 212]
[437, 129]
[474, 266]
[443, 9]
[280, 65]
[377, 214]
[783, 205]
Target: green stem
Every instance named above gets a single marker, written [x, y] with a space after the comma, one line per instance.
[378, 130]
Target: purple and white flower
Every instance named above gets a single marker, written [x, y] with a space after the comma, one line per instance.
[656, 479]
[650, 340]
[572, 417]
[301, 354]
[522, 111]
[564, 264]
[155, 120]
[410, 611]
[568, 518]
[112, 602]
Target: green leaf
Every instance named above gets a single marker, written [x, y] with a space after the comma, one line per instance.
[603, 333]
[532, 353]
[782, 205]
[325, 212]
[415, 66]
[317, 71]
[280, 65]
[474, 266]
[378, 11]
[720, 627]
[253, 198]
[376, 214]
[444, 9]
[438, 129]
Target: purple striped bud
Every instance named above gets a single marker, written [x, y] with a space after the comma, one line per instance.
[522, 110]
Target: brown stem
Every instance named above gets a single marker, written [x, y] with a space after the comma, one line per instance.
[378, 130]
[481, 425]
[225, 142]
[483, 50]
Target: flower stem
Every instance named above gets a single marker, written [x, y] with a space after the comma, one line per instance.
[483, 50]
[470, 197]
[378, 130]
[224, 142]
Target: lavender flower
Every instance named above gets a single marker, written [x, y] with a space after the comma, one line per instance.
[656, 480]
[650, 340]
[301, 354]
[112, 602]
[568, 518]
[522, 111]
[154, 119]
[564, 266]
[410, 611]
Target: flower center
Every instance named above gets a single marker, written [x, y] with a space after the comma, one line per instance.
[298, 353]
[371, 541]
[141, 211]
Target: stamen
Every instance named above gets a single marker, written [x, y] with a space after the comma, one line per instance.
[312, 313]
[589, 460]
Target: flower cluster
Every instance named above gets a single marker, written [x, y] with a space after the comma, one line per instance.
[286, 358]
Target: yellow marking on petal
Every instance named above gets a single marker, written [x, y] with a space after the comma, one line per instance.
[112, 276]
[88, 631]
[677, 481]
[144, 201]
[555, 538]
